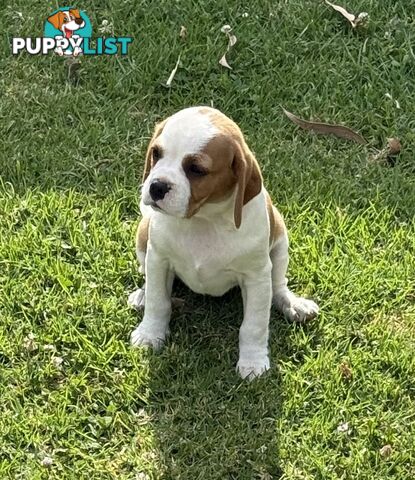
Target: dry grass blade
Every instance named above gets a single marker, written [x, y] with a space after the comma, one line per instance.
[173, 73]
[226, 29]
[326, 128]
[183, 32]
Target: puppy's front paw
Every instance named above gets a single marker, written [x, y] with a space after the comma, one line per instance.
[254, 367]
[136, 299]
[146, 337]
[300, 310]
[296, 309]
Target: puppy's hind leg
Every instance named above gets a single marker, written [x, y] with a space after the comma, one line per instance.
[136, 299]
[292, 307]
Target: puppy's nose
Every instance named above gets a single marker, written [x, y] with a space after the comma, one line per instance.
[79, 21]
[158, 190]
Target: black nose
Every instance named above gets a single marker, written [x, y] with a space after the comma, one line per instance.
[79, 21]
[158, 190]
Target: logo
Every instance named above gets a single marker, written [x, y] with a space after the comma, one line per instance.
[68, 32]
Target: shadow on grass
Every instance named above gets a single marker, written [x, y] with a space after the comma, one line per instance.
[207, 422]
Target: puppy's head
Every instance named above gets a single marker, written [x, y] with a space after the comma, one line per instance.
[67, 21]
[199, 156]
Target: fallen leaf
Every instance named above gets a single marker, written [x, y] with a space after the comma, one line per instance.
[227, 29]
[47, 462]
[394, 146]
[343, 11]
[29, 343]
[173, 73]
[326, 128]
[183, 32]
[57, 362]
[362, 19]
[118, 374]
[142, 476]
[346, 371]
[386, 451]
[50, 347]
[343, 427]
[392, 149]
[224, 62]
[354, 20]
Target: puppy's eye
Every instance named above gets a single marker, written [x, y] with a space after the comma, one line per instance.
[156, 154]
[65, 20]
[196, 170]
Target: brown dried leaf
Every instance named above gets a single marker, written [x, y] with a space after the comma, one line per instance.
[47, 462]
[346, 371]
[224, 62]
[183, 32]
[343, 427]
[394, 146]
[29, 343]
[326, 128]
[386, 451]
[353, 19]
[349, 16]
[392, 149]
[232, 40]
[227, 29]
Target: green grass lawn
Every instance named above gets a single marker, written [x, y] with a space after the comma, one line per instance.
[341, 387]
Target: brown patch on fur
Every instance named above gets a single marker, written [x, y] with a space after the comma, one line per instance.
[216, 157]
[233, 163]
[141, 238]
[276, 222]
[149, 161]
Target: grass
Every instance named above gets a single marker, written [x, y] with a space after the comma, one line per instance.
[72, 153]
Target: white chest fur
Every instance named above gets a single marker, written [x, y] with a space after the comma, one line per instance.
[207, 252]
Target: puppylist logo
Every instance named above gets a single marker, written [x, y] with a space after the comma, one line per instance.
[68, 31]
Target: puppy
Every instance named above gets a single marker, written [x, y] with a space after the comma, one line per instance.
[208, 219]
[67, 22]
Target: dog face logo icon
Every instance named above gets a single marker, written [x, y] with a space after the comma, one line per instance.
[68, 32]
[71, 26]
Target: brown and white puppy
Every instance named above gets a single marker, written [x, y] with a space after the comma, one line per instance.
[67, 21]
[208, 219]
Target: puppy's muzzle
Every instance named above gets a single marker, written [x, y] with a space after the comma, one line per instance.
[158, 189]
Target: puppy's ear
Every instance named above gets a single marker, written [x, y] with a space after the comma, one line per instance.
[157, 131]
[75, 12]
[248, 178]
[57, 20]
